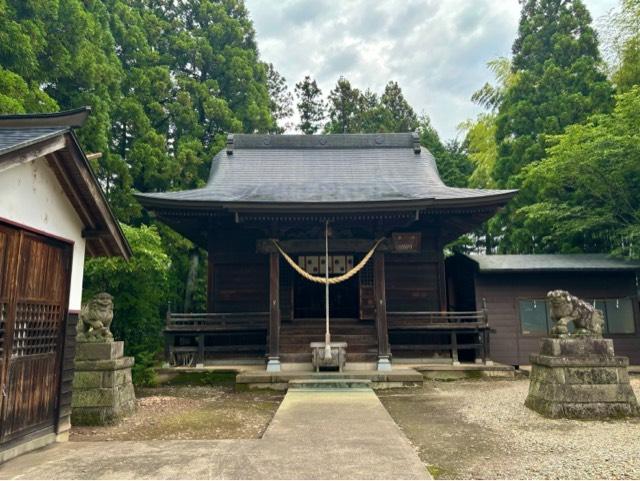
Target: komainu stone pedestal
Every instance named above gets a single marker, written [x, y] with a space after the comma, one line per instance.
[102, 388]
[580, 378]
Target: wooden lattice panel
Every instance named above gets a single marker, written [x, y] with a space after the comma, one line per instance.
[37, 329]
[366, 275]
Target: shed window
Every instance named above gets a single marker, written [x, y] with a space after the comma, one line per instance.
[534, 316]
[618, 315]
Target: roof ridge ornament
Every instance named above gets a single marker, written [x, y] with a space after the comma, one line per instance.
[230, 144]
[416, 142]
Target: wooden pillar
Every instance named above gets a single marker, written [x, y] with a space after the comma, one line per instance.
[273, 364]
[210, 284]
[454, 348]
[211, 249]
[442, 277]
[382, 326]
[169, 343]
[200, 359]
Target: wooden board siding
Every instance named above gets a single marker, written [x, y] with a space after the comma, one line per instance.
[411, 286]
[241, 287]
[502, 293]
[68, 369]
[35, 294]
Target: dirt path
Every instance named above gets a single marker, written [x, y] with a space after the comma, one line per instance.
[481, 430]
[190, 413]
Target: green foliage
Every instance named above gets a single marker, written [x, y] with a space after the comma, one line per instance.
[627, 27]
[346, 104]
[281, 100]
[491, 96]
[352, 111]
[310, 105]
[139, 288]
[480, 139]
[143, 372]
[559, 82]
[453, 162]
[585, 196]
[18, 97]
[396, 113]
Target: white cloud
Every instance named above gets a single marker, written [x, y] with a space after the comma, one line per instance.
[436, 49]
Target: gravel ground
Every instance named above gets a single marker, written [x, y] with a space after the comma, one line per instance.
[190, 412]
[481, 430]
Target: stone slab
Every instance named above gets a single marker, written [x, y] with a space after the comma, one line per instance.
[578, 347]
[26, 447]
[98, 351]
[105, 365]
[591, 361]
[329, 384]
[409, 376]
[314, 435]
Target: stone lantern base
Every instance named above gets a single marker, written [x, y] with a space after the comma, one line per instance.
[580, 378]
[102, 388]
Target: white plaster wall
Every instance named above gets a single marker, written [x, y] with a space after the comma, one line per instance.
[31, 195]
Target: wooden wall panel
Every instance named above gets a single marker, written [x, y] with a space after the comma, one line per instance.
[241, 287]
[411, 286]
[502, 293]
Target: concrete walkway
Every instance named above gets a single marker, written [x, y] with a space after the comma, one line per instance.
[315, 434]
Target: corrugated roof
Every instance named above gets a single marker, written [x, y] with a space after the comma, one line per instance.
[14, 138]
[339, 168]
[552, 262]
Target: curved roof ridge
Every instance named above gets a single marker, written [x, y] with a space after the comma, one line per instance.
[329, 141]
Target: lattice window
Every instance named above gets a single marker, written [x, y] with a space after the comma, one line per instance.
[36, 329]
[4, 307]
[366, 275]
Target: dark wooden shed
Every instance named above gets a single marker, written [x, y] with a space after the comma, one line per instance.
[52, 213]
[513, 289]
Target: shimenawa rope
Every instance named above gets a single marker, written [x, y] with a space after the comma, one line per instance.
[330, 280]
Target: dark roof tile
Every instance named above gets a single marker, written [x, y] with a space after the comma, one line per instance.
[552, 262]
[298, 169]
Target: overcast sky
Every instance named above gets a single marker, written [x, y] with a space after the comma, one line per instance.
[435, 49]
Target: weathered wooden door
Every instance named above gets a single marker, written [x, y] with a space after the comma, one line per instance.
[34, 290]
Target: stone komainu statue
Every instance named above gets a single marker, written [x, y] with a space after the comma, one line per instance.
[565, 308]
[95, 319]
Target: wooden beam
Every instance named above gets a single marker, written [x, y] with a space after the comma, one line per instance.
[274, 312]
[380, 298]
[298, 246]
[32, 152]
[95, 234]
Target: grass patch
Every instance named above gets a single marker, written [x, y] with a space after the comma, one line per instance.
[211, 378]
[436, 472]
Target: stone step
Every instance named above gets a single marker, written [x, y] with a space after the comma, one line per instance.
[304, 348]
[306, 357]
[329, 384]
[319, 331]
[351, 340]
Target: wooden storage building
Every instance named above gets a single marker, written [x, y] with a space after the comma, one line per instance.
[286, 187]
[513, 289]
[52, 214]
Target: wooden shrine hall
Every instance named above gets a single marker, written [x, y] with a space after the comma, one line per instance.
[384, 202]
